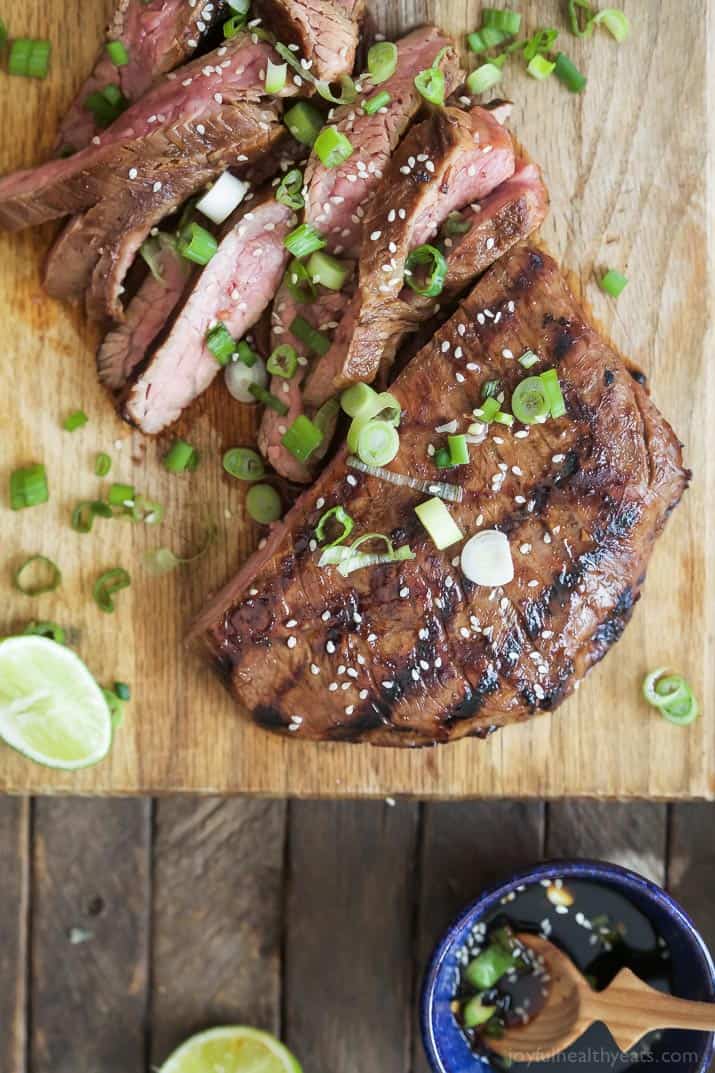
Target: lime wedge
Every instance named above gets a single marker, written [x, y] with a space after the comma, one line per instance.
[231, 1050]
[51, 708]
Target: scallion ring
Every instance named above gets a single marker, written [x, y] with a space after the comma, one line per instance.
[373, 104]
[302, 438]
[348, 92]
[289, 190]
[299, 283]
[303, 240]
[616, 22]
[102, 464]
[378, 443]
[197, 244]
[283, 361]
[36, 576]
[432, 283]
[529, 402]
[332, 147]
[263, 504]
[107, 585]
[244, 464]
[484, 78]
[85, 512]
[304, 122]
[430, 84]
[276, 75]
[382, 61]
[328, 271]
[46, 629]
[342, 518]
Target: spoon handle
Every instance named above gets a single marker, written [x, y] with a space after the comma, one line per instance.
[631, 1008]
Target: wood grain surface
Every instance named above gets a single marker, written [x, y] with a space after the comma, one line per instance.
[626, 166]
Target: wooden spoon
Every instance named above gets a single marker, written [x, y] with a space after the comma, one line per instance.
[628, 1007]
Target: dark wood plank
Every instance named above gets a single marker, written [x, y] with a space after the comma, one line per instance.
[691, 863]
[467, 847]
[218, 900]
[14, 900]
[632, 835]
[349, 935]
[90, 923]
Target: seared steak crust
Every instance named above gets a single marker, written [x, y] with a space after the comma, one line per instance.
[413, 653]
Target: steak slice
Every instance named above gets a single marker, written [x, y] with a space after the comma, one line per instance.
[325, 31]
[338, 197]
[158, 35]
[126, 345]
[445, 163]
[192, 120]
[413, 653]
[235, 287]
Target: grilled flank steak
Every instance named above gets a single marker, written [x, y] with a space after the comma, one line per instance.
[412, 653]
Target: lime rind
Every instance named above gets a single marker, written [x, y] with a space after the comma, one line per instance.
[232, 1049]
[51, 708]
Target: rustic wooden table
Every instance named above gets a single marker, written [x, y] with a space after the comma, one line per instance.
[312, 919]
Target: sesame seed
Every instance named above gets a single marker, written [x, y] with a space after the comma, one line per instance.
[351, 480]
[464, 631]
[388, 685]
[404, 593]
[291, 642]
[547, 538]
[415, 674]
[375, 235]
[517, 471]
[314, 668]
[330, 647]
[558, 458]
[525, 549]
[533, 583]
[490, 243]
[291, 623]
[325, 616]
[133, 173]
[333, 687]
[320, 503]
[506, 353]
[350, 709]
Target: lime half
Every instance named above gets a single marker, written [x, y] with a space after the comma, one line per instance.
[234, 1049]
[51, 708]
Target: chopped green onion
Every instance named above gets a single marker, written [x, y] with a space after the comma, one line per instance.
[299, 283]
[303, 240]
[326, 416]
[102, 464]
[613, 283]
[85, 512]
[3, 36]
[616, 22]
[261, 394]
[241, 7]
[358, 399]
[349, 558]
[197, 244]
[221, 343]
[302, 438]
[46, 629]
[452, 492]
[233, 26]
[348, 92]
[378, 443]
[304, 122]
[487, 969]
[77, 419]
[276, 74]
[29, 58]
[107, 584]
[106, 105]
[506, 21]
[439, 523]
[484, 78]
[554, 395]
[540, 68]
[342, 518]
[573, 6]
[115, 705]
[458, 450]
[328, 271]
[382, 61]
[528, 359]
[316, 341]
[122, 690]
[430, 84]
[283, 361]
[487, 411]
[263, 504]
[540, 43]
[28, 487]
[502, 418]
[529, 401]
[456, 224]
[434, 281]
[163, 560]
[289, 189]
[180, 457]
[568, 73]
[244, 464]
[672, 696]
[246, 354]
[474, 1013]
[443, 459]
[36, 576]
[117, 53]
[490, 389]
[122, 495]
[332, 147]
[486, 38]
[373, 104]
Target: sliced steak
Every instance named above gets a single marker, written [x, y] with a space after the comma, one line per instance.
[235, 287]
[413, 653]
[338, 197]
[324, 315]
[448, 161]
[125, 346]
[158, 35]
[325, 31]
[192, 121]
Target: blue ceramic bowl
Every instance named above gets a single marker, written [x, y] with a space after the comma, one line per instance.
[693, 969]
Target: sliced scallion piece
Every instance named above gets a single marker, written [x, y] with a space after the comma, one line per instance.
[443, 459]
[117, 52]
[328, 271]
[315, 340]
[246, 354]
[378, 443]
[430, 84]
[341, 517]
[85, 512]
[121, 495]
[439, 523]
[540, 43]
[332, 147]
[528, 359]
[672, 696]
[261, 394]
[299, 283]
[46, 629]
[554, 395]
[28, 487]
[276, 75]
[540, 68]
[486, 38]
[36, 576]
[263, 504]
[106, 105]
[431, 284]
[357, 400]
[77, 419]
[373, 104]
[289, 190]
[484, 78]
[458, 450]
[221, 343]
[244, 464]
[302, 438]
[304, 122]
[490, 389]
[529, 401]
[568, 73]
[29, 58]
[348, 92]
[107, 585]
[475, 1013]
[382, 61]
[303, 240]
[283, 361]
[233, 26]
[616, 22]
[487, 411]
[102, 464]
[573, 12]
[197, 244]
[613, 283]
[180, 457]
[508, 22]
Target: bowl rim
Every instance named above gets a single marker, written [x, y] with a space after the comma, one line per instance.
[555, 866]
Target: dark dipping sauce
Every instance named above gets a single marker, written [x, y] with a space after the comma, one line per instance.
[600, 930]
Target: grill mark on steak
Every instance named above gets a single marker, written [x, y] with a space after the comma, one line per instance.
[599, 483]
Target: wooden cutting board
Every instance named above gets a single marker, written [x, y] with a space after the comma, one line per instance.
[625, 164]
